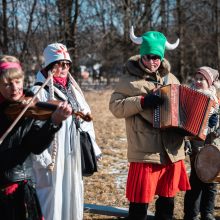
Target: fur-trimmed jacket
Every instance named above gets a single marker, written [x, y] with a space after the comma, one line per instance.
[145, 143]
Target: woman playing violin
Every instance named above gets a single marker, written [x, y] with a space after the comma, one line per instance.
[58, 169]
[18, 198]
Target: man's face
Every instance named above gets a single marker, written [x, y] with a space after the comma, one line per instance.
[151, 62]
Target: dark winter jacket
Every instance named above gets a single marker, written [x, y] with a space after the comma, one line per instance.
[28, 136]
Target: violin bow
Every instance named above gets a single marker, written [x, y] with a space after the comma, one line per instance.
[50, 75]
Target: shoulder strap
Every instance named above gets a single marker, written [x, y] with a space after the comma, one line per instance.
[47, 89]
[165, 82]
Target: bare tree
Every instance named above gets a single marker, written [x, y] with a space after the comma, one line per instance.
[180, 21]
[163, 14]
[217, 29]
[97, 31]
[4, 28]
[127, 25]
[68, 17]
[28, 34]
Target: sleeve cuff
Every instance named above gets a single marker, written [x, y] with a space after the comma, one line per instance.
[142, 101]
[55, 127]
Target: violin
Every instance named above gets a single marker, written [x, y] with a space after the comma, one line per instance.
[39, 110]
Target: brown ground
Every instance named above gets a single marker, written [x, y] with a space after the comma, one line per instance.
[107, 187]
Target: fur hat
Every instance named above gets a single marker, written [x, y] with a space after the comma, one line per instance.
[55, 52]
[211, 75]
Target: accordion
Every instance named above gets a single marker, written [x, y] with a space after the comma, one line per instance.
[185, 109]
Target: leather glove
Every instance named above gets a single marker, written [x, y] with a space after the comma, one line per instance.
[213, 120]
[152, 100]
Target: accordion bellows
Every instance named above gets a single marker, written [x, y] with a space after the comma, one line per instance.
[183, 108]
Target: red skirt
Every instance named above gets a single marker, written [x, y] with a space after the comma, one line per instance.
[145, 180]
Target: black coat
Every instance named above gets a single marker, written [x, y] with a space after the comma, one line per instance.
[28, 136]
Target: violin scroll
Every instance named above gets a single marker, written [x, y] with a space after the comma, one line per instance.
[86, 117]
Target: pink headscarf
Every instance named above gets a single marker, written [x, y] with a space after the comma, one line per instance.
[9, 65]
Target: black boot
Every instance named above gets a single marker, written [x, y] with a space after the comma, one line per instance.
[164, 208]
[207, 204]
[191, 204]
[191, 218]
[137, 211]
[192, 197]
[208, 216]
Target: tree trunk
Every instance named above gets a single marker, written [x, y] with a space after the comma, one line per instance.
[181, 46]
[217, 29]
[127, 10]
[5, 27]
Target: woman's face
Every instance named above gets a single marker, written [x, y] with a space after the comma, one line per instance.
[11, 89]
[61, 69]
[201, 82]
[151, 62]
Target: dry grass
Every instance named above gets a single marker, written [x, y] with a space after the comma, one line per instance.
[107, 187]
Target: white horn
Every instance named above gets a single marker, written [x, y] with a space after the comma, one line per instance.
[136, 40]
[172, 46]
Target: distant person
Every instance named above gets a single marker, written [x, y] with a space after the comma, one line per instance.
[18, 198]
[201, 198]
[58, 170]
[155, 155]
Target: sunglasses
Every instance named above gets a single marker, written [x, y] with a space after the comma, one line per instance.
[63, 64]
[151, 57]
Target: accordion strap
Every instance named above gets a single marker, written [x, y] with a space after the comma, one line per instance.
[165, 80]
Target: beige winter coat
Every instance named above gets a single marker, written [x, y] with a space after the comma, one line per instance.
[145, 143]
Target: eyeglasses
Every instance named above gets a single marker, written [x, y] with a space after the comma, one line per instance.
[63, 64]
[151, 57]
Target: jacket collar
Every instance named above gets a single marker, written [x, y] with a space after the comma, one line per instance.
[135, 67]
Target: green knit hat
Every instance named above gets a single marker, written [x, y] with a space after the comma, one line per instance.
[153, 43]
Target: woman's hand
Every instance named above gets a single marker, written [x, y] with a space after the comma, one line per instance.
[62, 112]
